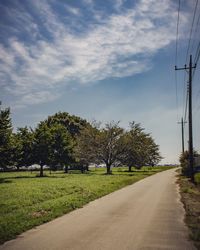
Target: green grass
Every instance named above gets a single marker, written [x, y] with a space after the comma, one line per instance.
[190, 196]
[27, 201]
[197, 178]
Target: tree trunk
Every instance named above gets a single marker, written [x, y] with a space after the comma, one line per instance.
[41, 171]
[66, 169]
[108, 169]
[129, 168]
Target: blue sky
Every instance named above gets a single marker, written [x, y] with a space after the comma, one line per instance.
[103, 60]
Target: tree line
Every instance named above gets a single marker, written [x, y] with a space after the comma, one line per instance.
[63, 140]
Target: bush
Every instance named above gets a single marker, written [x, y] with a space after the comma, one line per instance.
[184, 161]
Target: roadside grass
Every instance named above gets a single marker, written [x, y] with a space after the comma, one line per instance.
[27, 201]
[197, 178]
[190, 196]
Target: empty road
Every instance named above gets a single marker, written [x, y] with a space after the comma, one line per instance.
[145, 215]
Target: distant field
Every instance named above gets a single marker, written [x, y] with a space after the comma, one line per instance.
[27, 201]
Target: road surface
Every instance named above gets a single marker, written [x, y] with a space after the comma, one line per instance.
[145, 215]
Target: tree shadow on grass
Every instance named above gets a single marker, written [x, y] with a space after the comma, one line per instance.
[8, 179]
[139, 171]
[4, 180]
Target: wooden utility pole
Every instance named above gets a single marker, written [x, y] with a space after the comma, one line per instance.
[182, 130]
[190, 145]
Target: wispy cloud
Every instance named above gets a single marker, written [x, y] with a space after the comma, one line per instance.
[74, 11]
[120, 45]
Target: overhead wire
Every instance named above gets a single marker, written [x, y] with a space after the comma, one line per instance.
[185, 89]
[192, 40]
[197, 53]
[186, 107]
[176, 55]
[191, 30]
[196, 60]
[195, 32]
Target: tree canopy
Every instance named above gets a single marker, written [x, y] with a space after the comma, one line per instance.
[64, 139]
[112, 146]
[6, 146]
[23, 145]
[71, 122]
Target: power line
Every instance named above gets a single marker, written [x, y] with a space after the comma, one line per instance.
[186, 105]
[176, 55]
[197, 54]
[185, 93]
[177, 25]
[194, 15]
[188, 48]
[197, 23]
[196, 60]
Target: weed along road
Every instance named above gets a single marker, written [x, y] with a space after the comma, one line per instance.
[145, 215]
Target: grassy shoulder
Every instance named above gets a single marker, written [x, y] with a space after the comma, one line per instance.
[190, 195]
[27, 201]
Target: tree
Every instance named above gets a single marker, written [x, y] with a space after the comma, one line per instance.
[95, 145]
[184, 161]
[152, 152]
[53, 146]
[42, 146]
[5, 138]
[111, 145]
[135, 138]
[23, 149]
[86, 148]
[140, 148]
[72, 123]
[61, 146]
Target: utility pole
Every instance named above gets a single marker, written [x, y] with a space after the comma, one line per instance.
[182, 130]
[190, 149]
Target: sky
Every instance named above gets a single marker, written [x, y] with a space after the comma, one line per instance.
[104, 60]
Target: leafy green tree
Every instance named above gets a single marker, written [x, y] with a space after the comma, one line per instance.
[135, 138]
[53, 146]
[42, 146]
[184, 162]
[23, 145]
[86, 147]
[72, 123]
[140, 148]
[61, 146]
[111, 145]
[5, 138]
[152, 153]
[95, 145]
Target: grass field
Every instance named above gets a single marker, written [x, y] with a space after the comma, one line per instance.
[190, 195]
[27, 201]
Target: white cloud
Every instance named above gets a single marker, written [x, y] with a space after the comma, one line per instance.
[118, 4]
[120, 46]
[34, 98]
[74, 11]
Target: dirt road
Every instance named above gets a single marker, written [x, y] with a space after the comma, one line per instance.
[145, 215]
